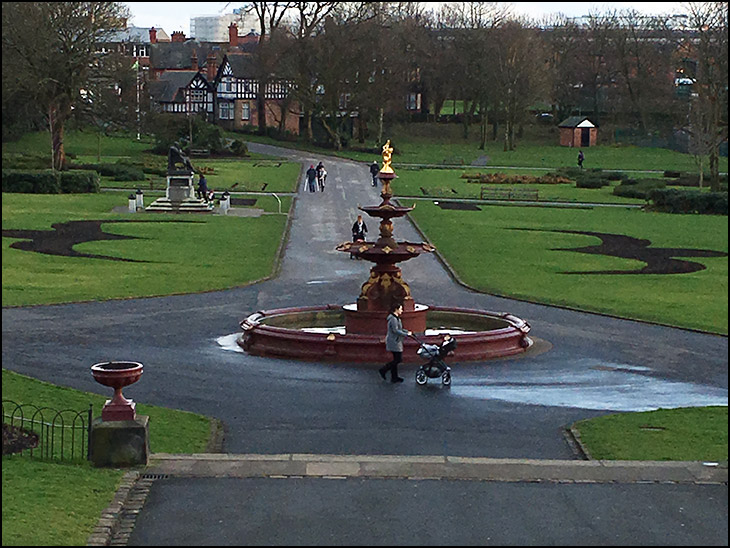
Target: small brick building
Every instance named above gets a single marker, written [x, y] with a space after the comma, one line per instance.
[578, 131]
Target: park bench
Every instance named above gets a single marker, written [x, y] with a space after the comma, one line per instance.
[199, 152]
[491, 193]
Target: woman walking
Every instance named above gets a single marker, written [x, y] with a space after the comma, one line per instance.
[394, 343]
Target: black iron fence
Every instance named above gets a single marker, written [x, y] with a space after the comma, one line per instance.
[47, 433]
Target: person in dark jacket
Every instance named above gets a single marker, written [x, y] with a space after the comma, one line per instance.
[312, 178]
[203, 188]
[374, 170]
[394, 343]
[359, 230]
[580, 159]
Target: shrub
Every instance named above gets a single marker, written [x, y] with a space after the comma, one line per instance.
[591, 181]
[31, 182]
[672, 174]
[638, 188]
[119, 172]
[239, 148]
[672, 200]
[78, 182]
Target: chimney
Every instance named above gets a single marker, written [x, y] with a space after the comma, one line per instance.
[232, 35]
[153, 35]
[194, 61]
[211, 66]
[178, 36]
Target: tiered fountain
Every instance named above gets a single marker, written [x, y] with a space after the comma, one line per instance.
[356, 332]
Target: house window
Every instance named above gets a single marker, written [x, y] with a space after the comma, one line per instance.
[245, 110]
[226, 111]
[413, 101]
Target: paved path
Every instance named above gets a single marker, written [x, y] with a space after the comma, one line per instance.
[513, 408]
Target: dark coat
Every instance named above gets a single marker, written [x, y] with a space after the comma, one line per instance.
[358, 233]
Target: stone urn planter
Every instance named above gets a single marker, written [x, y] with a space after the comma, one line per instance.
[117, 375]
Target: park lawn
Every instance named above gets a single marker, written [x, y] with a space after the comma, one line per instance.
[439, 144]
[207, 252]
[488, 254]
[447, 183]
[46, 503]
[689, 434]
[234, 175]
[79, 143]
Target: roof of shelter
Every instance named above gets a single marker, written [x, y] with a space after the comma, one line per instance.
[577, 121]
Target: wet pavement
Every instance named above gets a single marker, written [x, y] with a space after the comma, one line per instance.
[511, 408]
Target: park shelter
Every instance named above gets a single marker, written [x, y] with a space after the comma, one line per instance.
[578, 131]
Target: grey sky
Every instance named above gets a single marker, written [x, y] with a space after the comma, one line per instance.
[176, 16]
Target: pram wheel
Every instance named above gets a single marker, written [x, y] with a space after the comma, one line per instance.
[446, 378]
[421, 377]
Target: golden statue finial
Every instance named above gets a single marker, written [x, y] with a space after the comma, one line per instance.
[387, 153]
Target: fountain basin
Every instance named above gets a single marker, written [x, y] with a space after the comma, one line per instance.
[318, 333]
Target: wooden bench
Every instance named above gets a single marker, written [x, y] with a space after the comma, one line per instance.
[491, 193]
[199, 152]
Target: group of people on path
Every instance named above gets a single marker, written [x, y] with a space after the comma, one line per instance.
[316, 177]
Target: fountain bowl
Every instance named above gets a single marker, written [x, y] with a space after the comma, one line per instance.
[317, 333]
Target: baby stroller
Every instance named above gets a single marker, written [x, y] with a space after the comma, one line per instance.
[435, 367]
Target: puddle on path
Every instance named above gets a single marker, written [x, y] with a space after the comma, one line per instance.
[614, 387]
[601, 386]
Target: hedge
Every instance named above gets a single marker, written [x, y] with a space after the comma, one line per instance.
[119, 172]
[632, 188]
[48, 181]
[672, 200]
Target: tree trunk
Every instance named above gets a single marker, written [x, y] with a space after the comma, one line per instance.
[334, 135]
[380, 126]
[56, 122]
[484, 125]
[308, 132]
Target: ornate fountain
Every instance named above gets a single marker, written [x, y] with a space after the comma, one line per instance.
[386, 285]
[356, 332]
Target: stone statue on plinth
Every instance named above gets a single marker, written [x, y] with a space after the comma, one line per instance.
[176, 156]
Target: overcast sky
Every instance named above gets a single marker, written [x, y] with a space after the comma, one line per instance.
[172, 16]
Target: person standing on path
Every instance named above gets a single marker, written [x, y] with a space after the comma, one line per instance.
[321, 176]
[359, 229]
[312, 178]
[580, 159]
[394, 343]
[374, 170]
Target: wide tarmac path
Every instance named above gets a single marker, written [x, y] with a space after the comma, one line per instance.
[513, 408]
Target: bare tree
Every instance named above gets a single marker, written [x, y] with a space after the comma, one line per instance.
[308, 23]
[708, 22]
[272, 20]
[52, 45]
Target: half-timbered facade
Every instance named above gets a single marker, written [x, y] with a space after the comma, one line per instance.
[237, 91]
[184, 92]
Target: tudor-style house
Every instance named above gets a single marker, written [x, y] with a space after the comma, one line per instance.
[237, 91]
[218, 79]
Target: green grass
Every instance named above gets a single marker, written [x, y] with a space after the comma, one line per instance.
[433, 143]
[58, 504]
[491, 257]
[80, 143]
[691, 434]
[211, 252]
[238, 175]
[447, 183]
